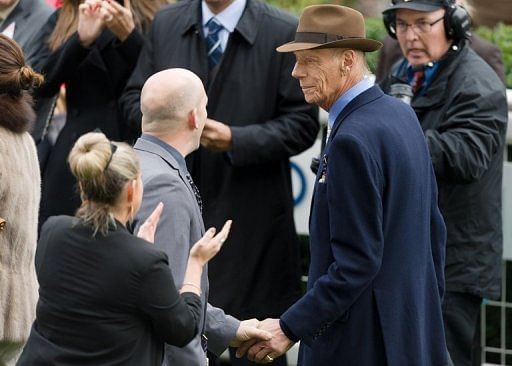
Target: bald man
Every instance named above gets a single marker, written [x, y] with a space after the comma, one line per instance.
[173, 105]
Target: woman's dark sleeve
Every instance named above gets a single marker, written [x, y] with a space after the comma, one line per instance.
[120, 58]
[62, 64]
[174, 317]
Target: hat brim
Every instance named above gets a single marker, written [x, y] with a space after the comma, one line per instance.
[361, 44]
[414, 6]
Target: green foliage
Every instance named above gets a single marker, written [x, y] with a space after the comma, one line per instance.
[296, 6]
[501, 35]
[374, 30]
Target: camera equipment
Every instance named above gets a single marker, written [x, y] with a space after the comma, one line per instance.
[401, 91]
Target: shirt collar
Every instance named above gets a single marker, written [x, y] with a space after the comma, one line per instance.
[228, 18]
[171, 150]
[5, 13]
[338, 106]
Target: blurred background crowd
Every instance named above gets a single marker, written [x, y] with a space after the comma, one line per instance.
[92, 82]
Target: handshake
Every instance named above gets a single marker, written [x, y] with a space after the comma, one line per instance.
[262, 341]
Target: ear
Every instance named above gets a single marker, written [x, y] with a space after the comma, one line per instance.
[192, 119]
[349, 58]
[130, 189]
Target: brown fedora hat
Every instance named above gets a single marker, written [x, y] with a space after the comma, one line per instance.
[330, 26]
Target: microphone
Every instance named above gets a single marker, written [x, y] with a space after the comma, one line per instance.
[401, 91]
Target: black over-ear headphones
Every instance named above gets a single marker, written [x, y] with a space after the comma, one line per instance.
[457, 22]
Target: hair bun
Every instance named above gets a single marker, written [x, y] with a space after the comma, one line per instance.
[29, 79]
[15, 76]
[89, 156]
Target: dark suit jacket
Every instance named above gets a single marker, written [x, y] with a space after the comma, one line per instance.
[29, 17]
[253, 93]
[108, 300]
[391, 53]
[94, 79]
[377, 243]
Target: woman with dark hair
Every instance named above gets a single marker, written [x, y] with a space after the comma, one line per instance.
[19, 201]
[92, 48]
[107, 297]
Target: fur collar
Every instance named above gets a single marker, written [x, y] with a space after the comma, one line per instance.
[16, 113]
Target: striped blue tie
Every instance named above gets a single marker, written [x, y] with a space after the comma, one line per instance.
[213, 42]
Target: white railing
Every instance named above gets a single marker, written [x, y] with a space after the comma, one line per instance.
[500, 350]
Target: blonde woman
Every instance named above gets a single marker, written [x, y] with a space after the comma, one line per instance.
[19, 201]
[106, 296]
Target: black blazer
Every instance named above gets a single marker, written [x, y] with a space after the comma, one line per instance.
[109, 300]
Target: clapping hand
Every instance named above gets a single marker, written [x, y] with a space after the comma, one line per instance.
[148, 228]
[118, 18]
[209, 245]
[90, 24]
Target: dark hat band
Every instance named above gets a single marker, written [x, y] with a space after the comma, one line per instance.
[320, 38]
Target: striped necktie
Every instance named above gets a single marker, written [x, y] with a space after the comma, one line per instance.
[213, 43]
[417, 81]
[196, 192]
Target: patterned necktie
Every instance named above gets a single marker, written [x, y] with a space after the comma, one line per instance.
[196, 192]
[417, 80]
[213, 42]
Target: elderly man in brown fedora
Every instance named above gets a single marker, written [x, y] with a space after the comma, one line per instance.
[377, 238]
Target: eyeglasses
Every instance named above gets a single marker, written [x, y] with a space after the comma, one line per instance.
[418, 27]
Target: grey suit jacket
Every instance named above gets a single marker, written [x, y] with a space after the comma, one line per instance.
[29, 17]
[180, 226]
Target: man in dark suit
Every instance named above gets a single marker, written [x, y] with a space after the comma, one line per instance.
[391, 52]
[173, 103]
[257, 119]
[22, 19]
[376, 234]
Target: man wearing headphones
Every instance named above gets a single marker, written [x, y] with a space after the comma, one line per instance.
[462, 108]
[390, 52]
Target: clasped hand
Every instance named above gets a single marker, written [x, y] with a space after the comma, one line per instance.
[96, 15]
[266, 350]
[216, 136]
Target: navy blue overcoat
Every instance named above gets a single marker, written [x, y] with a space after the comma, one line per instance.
[377, 243]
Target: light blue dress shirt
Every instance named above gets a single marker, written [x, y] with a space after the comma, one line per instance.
[228, 18]
[346, 98]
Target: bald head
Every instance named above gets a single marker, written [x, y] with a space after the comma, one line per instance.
[167, 98]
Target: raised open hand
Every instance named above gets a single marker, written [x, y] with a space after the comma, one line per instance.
[90, 23]
[148, 228]
[118, 18]
[208, 246]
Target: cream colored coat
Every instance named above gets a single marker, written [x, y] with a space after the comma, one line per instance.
[20, 190]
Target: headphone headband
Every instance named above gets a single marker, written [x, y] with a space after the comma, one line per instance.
[457, 22]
